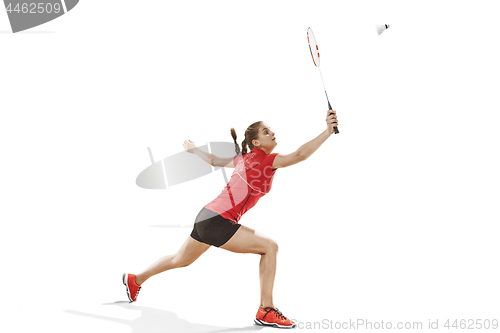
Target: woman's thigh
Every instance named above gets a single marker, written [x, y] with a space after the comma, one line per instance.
[247, 240]
[190, 251]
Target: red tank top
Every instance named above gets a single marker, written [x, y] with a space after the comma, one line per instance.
[251, 180]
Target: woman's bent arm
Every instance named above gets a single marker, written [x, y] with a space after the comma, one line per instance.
[214, 160]
[204, 156]
[211, 159]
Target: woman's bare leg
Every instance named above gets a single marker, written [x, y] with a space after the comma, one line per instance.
[187, 254]
[247, 240]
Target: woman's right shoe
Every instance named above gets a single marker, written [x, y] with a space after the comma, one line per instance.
[132, 287]
[271, 316]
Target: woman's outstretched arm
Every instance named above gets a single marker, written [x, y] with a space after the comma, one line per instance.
[211, 159]
[310, 147]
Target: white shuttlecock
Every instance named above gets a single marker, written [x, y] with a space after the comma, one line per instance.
[381, 28]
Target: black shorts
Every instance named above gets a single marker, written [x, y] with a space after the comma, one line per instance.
[211, 228]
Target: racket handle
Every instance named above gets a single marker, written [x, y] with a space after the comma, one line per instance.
[330, 108]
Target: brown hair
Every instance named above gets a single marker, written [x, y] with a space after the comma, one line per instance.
[250, 134]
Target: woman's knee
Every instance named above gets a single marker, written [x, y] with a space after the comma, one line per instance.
[271, 247]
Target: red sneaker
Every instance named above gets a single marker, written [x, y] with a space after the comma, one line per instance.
[132, 287]
[271, 316]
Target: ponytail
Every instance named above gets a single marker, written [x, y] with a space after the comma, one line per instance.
[250, 134]
[236, 147]
[244, 145]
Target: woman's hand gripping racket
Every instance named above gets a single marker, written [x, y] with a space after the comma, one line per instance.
[313, 47]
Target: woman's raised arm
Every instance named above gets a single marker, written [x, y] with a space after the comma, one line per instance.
[310, 147]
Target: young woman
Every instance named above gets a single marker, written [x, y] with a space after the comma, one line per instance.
[217, 222]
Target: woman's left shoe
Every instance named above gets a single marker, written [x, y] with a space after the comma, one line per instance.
[132, 287]
[271, 316]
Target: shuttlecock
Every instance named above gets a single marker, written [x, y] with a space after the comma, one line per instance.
[381, 28]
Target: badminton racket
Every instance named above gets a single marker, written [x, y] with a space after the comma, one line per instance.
[313, 47]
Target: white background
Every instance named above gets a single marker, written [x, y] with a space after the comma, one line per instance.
[394, 219]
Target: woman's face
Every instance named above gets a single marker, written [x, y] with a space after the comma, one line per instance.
[266, 138]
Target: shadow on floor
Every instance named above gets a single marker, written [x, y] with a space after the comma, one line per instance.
[172, 226]
[156, 320]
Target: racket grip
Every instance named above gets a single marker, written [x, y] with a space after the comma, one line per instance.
[330, 108]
